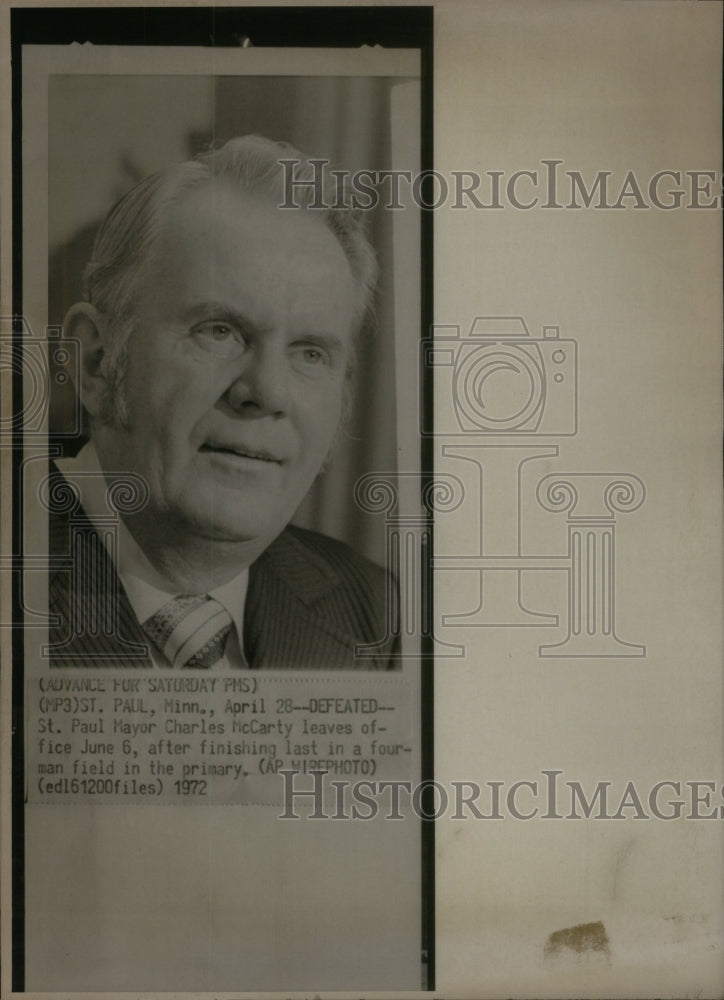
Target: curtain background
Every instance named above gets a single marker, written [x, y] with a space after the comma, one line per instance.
[108, 132]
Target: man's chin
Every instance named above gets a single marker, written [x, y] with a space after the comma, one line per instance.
[231, 529]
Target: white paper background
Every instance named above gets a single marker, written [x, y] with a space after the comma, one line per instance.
[613, 86]
[602, 86]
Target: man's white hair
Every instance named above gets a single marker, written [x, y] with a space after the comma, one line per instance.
[130, 229]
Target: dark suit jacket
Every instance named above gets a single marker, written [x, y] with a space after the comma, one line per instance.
[311, 600]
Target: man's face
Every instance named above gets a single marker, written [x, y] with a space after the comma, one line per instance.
[236, 366]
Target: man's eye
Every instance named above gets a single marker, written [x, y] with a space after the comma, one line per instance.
[222, 338]
[220, 331]
[311, 356]
[216, 331]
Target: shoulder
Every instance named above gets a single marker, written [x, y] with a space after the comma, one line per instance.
[313, 601]
[328, 576]
[340, 559]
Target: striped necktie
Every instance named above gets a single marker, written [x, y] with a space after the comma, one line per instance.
[191, 631]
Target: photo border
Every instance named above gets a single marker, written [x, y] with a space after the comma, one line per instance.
[223, 27]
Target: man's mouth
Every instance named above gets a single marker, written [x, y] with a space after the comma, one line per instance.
[240, 451]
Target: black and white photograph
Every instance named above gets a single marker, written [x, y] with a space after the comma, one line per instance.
[360, 501]
[220, 470]
[221, 608]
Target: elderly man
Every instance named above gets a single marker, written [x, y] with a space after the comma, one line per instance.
[217, 339]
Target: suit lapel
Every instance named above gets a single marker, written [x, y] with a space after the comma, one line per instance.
[285, 624]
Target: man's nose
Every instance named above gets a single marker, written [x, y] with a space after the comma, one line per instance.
[262, 386]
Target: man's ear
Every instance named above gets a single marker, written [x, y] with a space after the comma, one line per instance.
[86, 325]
